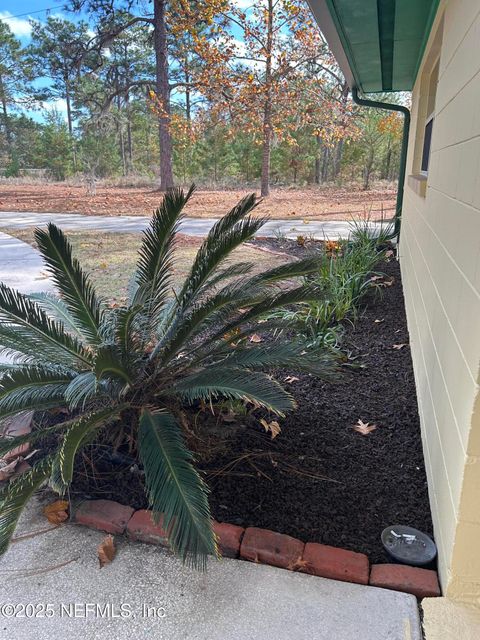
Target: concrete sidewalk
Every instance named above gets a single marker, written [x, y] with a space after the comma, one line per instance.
[191, 226]
[21, 267]
[162, 599]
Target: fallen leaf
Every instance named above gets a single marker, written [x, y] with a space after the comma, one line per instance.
[389, 253]
[291, 379]
[273, 427]
[256, 338]
[364, 427]
[106, 551]
[299, 564]
[379, 321]
[8, 470]
[399, 346]
[56, 512]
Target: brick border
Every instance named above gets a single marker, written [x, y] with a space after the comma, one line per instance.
[266, 547]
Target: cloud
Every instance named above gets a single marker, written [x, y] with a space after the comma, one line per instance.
[19, 26]
[58, 104]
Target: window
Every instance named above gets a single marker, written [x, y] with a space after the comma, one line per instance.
[429, 120]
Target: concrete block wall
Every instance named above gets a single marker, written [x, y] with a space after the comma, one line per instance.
[440, 261]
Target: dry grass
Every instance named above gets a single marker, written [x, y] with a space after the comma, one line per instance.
[315, 203]
[110, 258]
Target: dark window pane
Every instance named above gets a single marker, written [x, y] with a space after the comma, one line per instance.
[427, 141]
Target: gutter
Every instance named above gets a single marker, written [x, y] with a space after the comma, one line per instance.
[387, 106]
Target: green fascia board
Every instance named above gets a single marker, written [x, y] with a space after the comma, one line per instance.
[383, 40]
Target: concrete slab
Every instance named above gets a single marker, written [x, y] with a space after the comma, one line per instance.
[192, 226]
[21, 267]
[445, 619]
[162, 599]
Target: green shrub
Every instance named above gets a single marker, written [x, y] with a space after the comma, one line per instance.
[344, 277]
[148, 359]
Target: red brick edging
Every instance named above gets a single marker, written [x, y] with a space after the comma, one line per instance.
[267, 547]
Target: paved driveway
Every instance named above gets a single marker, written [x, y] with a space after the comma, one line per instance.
[191, 226]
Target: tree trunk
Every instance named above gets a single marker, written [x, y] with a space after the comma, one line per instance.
[163, 95]
[368, 170]
[68, 100]
[267, 112]
[338, 158]
[6, 122]
[188, 105]
[318, 162]
[325, 159]
[388, 162]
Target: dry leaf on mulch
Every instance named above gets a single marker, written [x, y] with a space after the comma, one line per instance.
[256, 338]
[271, 427]
[364, 427]
[56, 512]
[399, 346]
[106, 551]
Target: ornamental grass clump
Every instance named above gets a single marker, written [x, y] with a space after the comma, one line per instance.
[163, 350]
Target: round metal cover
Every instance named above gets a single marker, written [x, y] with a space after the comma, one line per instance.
[408, 545]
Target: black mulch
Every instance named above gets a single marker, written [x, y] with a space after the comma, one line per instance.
[320, 480]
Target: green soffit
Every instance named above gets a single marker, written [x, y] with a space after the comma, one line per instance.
[381, 41]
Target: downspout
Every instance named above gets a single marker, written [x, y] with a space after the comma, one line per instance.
[363, 102]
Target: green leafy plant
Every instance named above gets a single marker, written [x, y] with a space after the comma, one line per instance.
[165, 349]
[345, 275]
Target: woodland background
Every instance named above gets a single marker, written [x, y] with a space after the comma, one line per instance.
[225, 93]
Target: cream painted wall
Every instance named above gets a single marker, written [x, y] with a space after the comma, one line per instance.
[440, 262]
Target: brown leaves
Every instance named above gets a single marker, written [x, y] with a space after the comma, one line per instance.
[9, 469]
[56, 512]
[106, 551]
[255, 338]
[364, 428]
[271, 427]
[382, 281]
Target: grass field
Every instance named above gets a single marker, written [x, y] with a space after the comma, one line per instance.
[110, 258]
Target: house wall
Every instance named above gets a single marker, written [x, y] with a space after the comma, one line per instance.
[440, 261]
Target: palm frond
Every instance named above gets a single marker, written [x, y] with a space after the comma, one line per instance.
[31, 324]
[266, 304]
[127, 332]
[289, 270]
[175, 489]
[245, 206]
[32, 387]
[109, 364]
[214, 250]
[230, 298]
[81, 389]
[233, 270]
[17, 494]
[8, 444]
[239, 384]
[154, 270]
[319, 361]
[56, 308]
[74, 285]
[79, 433]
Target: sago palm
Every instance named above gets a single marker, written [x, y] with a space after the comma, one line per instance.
[165, 349]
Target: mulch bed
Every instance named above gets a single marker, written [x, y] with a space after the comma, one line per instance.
[320, 480]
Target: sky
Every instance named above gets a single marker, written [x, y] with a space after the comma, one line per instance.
[17, 14]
